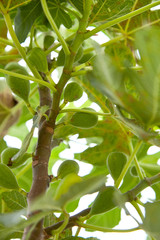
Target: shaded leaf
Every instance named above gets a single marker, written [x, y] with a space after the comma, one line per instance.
[105, 201]
[25, 18]
[7, 178]
[114, 139]
[59, 15]
[14, 200]
[78, 4]
[109, 219]
[108, 10]
[79, 189]
[116, 162]
[144, 105]
[152, 219]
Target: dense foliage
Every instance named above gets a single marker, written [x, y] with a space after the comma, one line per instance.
[43, 39]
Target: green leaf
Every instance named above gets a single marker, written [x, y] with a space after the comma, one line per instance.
[14, 200]
[116, 162]
[7, 178]
[93, 94]
[129, 181]
[144, 103]
[105, 201]
[78, 4]
[59, 15]
[14, 3]
[79, 189]
[114, 139]
[25, 18]
[109, 219]
[11, 219]
[152, 219]
[108, 10]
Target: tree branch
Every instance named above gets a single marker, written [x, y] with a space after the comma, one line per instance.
[129, 196]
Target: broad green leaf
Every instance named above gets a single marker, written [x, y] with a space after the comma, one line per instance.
[108, 10]
[152, 219]
[14, 200]
[109, 219]
[114, 139]
[153, 158]
[120, 54]
[79, 189]
[25, 18]
[14, 3]
[116, 162]
[93, 94]
[11, 219]
[78, 4]
[144, 104]
[24, 177]
[151, 169]
[105, 201]
[59, 15]
[7, 178]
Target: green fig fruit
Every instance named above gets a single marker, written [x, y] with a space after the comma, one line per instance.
[67, 182]
[37, 57]
[7, 178]
[19, 86]
[84, 119]
[8, 153]
[67, 167]
[72, 92]
[48, 41]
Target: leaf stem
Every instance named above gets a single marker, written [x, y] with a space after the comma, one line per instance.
[136, 206]
[140, 174]
[118, 182]
[6, 42]
[84, 111]
[28, 78]
[104, 229]
[52, 23]
[121, 19]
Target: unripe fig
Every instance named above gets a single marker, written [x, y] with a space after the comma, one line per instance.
[72, 92]
[48, 41]
[67, 182]
[19, 86]
[84, 119]
[37, 57]
[7, 178]
[8, 153]
[67, 167]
